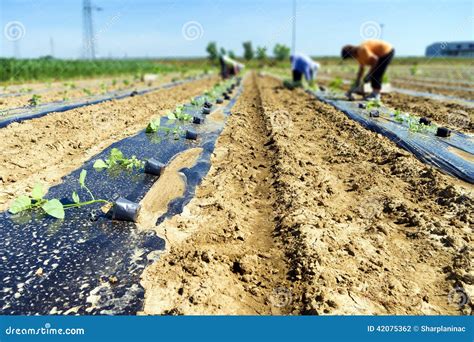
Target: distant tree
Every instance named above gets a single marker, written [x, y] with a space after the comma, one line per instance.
[231, 54]
[248, 50]
[222, 51]
[261, 53]
[211, 49]
[281, 52]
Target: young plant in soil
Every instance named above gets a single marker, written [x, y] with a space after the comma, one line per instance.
[88, 92]
[154, 126]
[117, 159]
[35, 100]
[412, 122]
[53, 207]
[373, 104]
[336, 84]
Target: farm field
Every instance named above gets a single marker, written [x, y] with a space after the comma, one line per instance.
[270, 201]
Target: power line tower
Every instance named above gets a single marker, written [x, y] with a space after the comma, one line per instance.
[88, 29]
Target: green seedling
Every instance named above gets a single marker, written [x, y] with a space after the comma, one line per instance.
[178, 114]
[374, 104]
[35, 100]
[412, 122]
[198, 101]
[126, 82]
[336, 84]
[53, 207]
[88, 92]
[398, 116]
[117, 159]
[153, 126]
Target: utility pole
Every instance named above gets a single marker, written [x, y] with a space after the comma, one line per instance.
[51, 46]
[88, 29]
[293, 38]
[381, 30]
[16, 49]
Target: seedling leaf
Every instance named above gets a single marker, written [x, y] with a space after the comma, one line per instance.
[37, 193]
[23, 202]
[153, 126]
[100, 165]
[54, 208]
[82, 178]
[115, 153]
[75, 197]
[171, 116]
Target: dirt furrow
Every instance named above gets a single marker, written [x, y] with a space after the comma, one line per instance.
[306, 212]
[367, 228]
[223, 257]
[45, 149]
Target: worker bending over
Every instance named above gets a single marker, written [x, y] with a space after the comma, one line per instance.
[229, 67]
[302, 64]
[375, 54]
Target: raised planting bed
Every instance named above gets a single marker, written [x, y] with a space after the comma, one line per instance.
[451, 152]
[411, 92]
[90, 262]
[9, 116]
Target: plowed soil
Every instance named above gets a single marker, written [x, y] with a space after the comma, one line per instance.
[61, 92]
[306, 212]
[45, 149]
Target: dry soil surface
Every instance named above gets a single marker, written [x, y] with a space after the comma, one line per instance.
[306, 212]
[45, 149]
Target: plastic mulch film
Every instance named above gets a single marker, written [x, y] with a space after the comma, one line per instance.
[453, 155]
[89, 263]
[8, 116]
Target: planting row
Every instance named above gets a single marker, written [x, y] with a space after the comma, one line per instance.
[37, 109]
[450, 151]
[82, 230]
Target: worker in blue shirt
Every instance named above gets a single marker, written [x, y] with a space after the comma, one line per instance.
[302, 64]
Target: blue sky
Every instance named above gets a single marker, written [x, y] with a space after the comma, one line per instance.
[148, 28]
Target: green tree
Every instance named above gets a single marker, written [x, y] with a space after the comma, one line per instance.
[231, 54]
[211, 49]
[248, 50]
[281, 52]
[261, 53]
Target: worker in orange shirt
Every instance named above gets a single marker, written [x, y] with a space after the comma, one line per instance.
[375, 54]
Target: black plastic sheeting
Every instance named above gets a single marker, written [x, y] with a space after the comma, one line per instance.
[447, 154]
[19, 114]
[88, 263]
[416, 93]
[438, 97]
